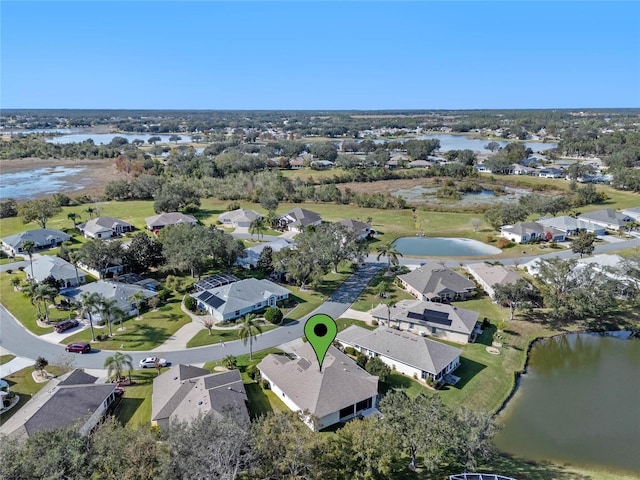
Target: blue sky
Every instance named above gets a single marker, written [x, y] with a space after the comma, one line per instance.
[319, 55]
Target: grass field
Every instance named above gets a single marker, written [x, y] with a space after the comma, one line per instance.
[21, 307]
[4, 359]
[135, 408]
[152, 330]
[203, 338]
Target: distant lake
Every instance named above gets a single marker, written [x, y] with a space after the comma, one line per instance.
[49, 180]
[424, 194]
[105, 138]
[461, 142]
[5, 131]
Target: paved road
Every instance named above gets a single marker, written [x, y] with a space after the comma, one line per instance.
[15, 338]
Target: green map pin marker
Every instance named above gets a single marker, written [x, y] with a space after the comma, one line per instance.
[320, 330]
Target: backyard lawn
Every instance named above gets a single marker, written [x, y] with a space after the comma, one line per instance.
[203, 338]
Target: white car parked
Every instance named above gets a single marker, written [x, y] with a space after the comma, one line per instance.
[151, 362]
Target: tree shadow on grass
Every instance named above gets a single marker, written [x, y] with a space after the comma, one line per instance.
[525, 469]
[466, 371]
[488, 333]
[127, 408]
[257, 400]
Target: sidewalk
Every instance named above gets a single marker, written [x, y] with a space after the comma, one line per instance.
[355, 314]
[14, 365]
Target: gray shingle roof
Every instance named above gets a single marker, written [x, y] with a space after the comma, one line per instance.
[494, 274]
[301, 217]
[185, 391]
[40, 236]
[355, 225]
[78, 377]
[434, 278]
[432, 314]
[121, 292]
[407, 348]
[606, 215]
[50, 265]
[171, 218]
[101, 224]
[340, 384]
[240, 295]
[240, 215]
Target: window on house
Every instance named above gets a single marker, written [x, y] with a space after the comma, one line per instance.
[434, 330]
[347, 411]
[363, 405]
[237, 312]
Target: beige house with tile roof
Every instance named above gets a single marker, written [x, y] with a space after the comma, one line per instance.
[488, 276]
[339, 393]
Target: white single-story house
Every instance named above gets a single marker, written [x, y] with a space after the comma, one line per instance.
[608, 218]
[430, 318]
[104, 227]
[571, 226]
[633, 212]
[253, 253]
[517, 169]
[41, 237]
[361, 229]
[121, 292]
[488, 276]
[338, 393]
[239, 218]
[409, 354]
[49, 265]
[73, 398]
[526, 231]
[434, 282]
[234, 300]
[162, 220]
[297, 219]
[183, 392]
[551, 172]
[420, 164]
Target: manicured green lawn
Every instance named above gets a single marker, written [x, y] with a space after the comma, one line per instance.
[22, 383]
[203, 338]
[368, 299]
[344, 323]
[135, 408]
[6, 358]
[5, 261]
[153, 330]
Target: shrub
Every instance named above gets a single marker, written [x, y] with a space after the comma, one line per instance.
[273, 315]
[41, 363]
[362, 360]
[164, 294]
[350, 350]
[503, 242]
[253, 373]
[191, 304]
[489, 238]
[9, 271]
[374, 323]
[265, 385]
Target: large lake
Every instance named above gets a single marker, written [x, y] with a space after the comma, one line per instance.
[578, 403]
[105, 138]
[462, 142]
[30, 183]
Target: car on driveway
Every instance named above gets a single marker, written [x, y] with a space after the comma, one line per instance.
[66, 325]
[78, 347]
[151, 362]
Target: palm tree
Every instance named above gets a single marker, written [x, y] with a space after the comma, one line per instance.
[45, 292]
[116, 363]
[29, 247]
[230, 362]
[389, 250]
[390, 304]
[118, 314]
[257, 227]
[73, 217]
[15, 282]
[272, 218]
[89, 303]
[247, 331]
[29, 290]
[74, 258]
[138, 298]
[106, 307]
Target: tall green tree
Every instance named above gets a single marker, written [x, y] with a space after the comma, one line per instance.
[583, 244]
[74, 217]
[106, 307]
[39, 211]
[257, 227]
[513, 294]
[389, 250]
[89, 303]
[29, 247]
[116, 363]
[100, 255]
[248, 331]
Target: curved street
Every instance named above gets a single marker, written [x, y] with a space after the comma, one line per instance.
[22, 343]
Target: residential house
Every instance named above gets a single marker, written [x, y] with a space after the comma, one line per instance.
[104, 227]
[234, 300]
[321, 164]
[296, 163]
[163, 220]
[434, 282]
[250, 260]
[183, 392]
[608, 218]
[239, 218]
[517, 169]
[338, 393]
[361, 229]
[526, 231]
[571, 226]
[76, 398]
[41, 237]
[50, 266]
[420, 164]
[482, 168]
[488, 276]
[120, 292]
[633, 212]
[431, 319]
[409, 354]
[551, 172]
[297, 219]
